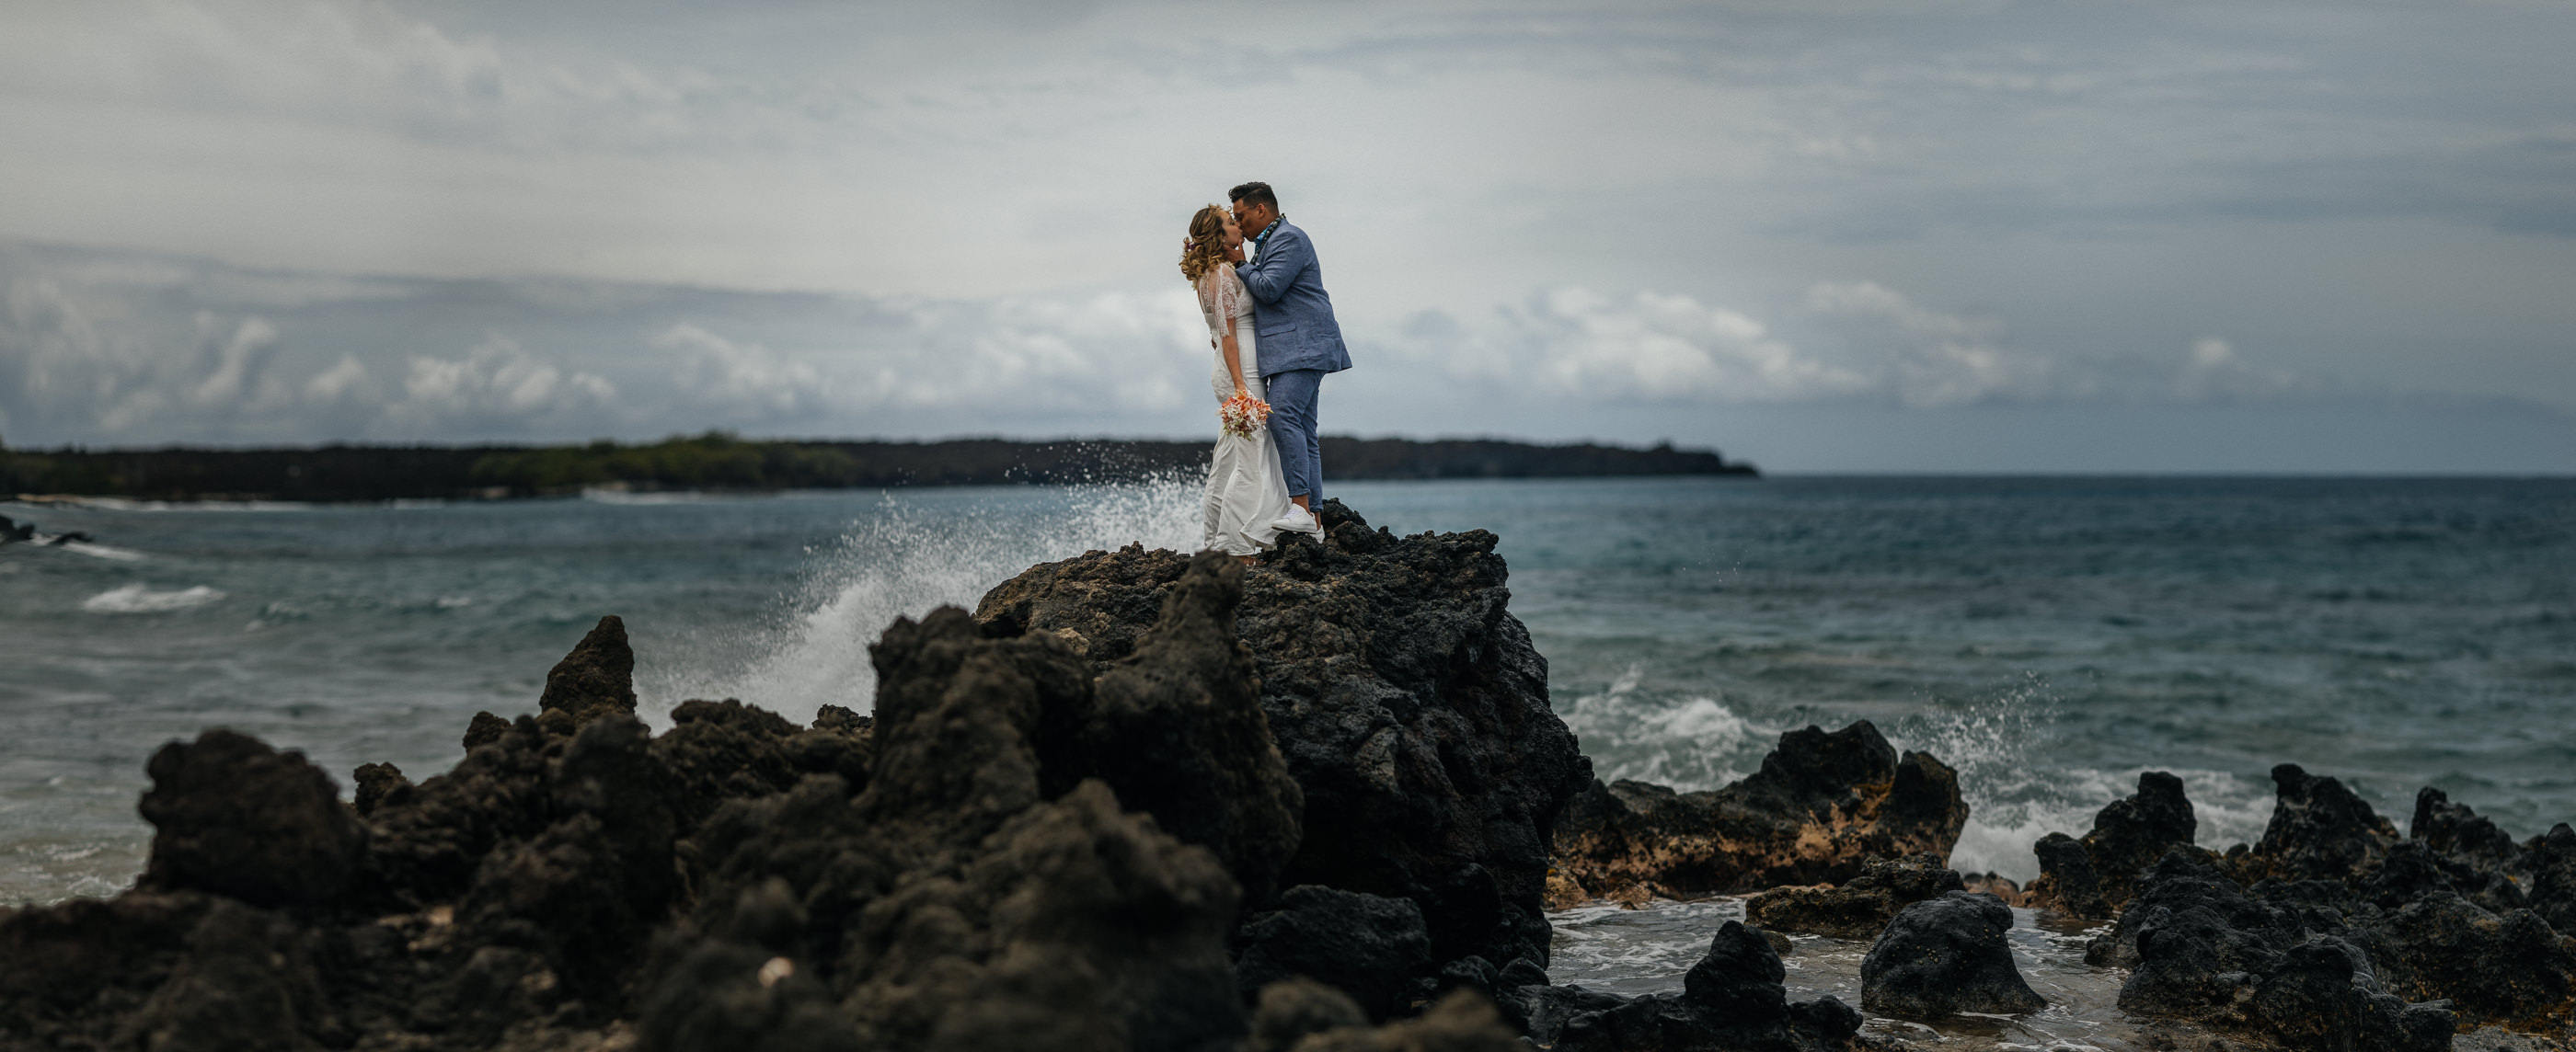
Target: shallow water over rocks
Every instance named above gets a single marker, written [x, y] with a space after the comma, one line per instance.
[1644, 951]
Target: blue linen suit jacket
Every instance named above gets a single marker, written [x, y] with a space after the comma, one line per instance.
[1291, 315]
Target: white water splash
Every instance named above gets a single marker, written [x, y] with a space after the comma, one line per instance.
[97, 551]
[2014, 800]
[1686, 743]
[138, 599]
[906, 559]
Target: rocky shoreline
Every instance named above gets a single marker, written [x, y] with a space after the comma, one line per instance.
[1143, 800]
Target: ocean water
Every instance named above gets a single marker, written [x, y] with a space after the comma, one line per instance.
[2050, 638]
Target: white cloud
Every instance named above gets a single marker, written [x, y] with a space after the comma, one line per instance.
[2211, 371]
[1643, 347]
[497, 385]
[744, 378]
[345, 379]
[237, 362]
[1932, 359]
[129, 348]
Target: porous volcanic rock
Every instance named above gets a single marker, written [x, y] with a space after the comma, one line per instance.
[2095, 876]
[1821, 805]
[2551, 857]
[2067, 881]
[2456, 832]
[2201, 949]
[2320, 830]
[1946, 955]
[1177, 727]
[1409, 706]
[596, 679]
[232, 816]
[2510, 969]
[2426, 919]
[1370, 947]
[1734, 998]
[1862, 906]
[919, 880]
[1460, 1022]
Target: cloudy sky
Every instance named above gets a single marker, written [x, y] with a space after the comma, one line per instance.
[1820, 234]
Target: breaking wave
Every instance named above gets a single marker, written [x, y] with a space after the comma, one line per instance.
[916, 553]
[138, 599]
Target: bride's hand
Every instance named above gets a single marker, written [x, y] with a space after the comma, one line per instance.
[1239, 392]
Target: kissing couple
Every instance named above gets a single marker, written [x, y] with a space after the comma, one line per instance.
[1273, 330]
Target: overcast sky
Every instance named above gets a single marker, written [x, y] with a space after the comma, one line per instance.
[1821, 235]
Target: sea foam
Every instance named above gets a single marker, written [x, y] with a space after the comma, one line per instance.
[139, 599]
[908, 558]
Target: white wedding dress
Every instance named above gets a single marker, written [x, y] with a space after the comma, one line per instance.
[1244, 489]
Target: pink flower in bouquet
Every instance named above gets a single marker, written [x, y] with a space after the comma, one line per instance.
[1242, 413]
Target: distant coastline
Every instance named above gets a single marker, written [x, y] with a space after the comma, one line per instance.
[716, 461]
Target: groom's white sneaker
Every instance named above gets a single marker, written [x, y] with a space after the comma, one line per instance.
[1298, 520]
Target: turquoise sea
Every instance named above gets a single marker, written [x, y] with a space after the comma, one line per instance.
[2050, 637]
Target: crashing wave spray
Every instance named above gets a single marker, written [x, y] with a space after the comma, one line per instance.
[2013, 799]
[916, 553]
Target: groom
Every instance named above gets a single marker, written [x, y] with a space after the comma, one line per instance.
[1298, 339]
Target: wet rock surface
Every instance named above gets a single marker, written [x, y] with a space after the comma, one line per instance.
[1862, 906]
[959, 870]
[1734, 998]
[1946, 955]
[2097, 875]
[1821, 805]
[2334, 932]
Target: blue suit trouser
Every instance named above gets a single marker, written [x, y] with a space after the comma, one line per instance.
[1292, 431]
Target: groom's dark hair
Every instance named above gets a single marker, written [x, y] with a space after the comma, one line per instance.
[1257, 193]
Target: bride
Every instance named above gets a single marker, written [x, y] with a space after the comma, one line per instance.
[1244, 489]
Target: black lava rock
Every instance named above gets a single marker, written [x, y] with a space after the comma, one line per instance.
[1369, 947]
[235, 817]
[2552, 857]
[1862, 906]
[1406, 701]
[2201, 949]
[1823, 803]
[2096, 876]
[1946, 955]
[1733, 999]
[596, 679]
[2320, 830]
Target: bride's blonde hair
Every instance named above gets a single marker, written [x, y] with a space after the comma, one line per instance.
[1205, 248]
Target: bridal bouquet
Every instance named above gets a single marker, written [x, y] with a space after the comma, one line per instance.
[1242, 413]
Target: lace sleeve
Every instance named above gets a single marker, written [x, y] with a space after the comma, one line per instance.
[1218, 298]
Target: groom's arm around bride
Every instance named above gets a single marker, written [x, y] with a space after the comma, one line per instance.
[1299, 339]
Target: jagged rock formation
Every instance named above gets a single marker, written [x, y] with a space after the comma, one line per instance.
[1408, 704]
[2334, 930]
[1821, 805]
[2202, 949]
[1734, 998]
[597, 679]
[2095, 876]
[2320, 830]
[1372, 948]
[240, 819]
[1862, 906]
[1946, 955]
[962, 870]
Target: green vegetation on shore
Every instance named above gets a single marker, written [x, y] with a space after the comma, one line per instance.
[721, 461]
